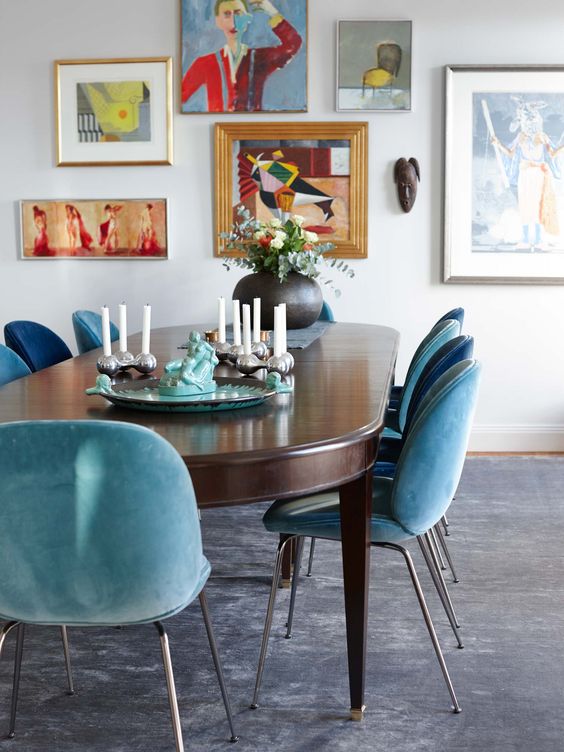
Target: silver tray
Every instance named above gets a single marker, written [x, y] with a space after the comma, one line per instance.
[231, 394]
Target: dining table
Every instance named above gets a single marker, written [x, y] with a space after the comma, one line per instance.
[324, 435]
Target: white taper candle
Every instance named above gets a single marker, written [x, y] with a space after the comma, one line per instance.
[283, 335]
[221, 319]
[277, 344]
[146, 336]
[123, 327]
[236, 323]
[106, 339]
[256, 319]
[246, 329]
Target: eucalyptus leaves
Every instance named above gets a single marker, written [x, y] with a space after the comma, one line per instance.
[279, 248]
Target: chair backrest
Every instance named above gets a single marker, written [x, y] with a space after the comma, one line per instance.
[12, 366]
[388, 55]
[431, 461]
[455, 350]
[457, 314]
[87, 327]
[37, 345]
[326, 313]
[98, 524]
[439, 334]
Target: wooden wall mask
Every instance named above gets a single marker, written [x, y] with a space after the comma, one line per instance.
[406, 176]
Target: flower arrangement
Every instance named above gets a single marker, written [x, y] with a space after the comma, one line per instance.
[279, 247]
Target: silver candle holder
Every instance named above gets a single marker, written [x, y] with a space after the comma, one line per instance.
[122, 361]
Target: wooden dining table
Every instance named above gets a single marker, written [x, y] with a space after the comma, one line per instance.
[322, 436]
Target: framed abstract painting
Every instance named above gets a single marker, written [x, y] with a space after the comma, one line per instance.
[504, 174]
[114, 112]
[94, 228]
[244, 56]
[374, 66]
[316, 170]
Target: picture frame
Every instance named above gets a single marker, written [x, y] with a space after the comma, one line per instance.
[113, 112]
[318, 170]
[260, 66]
[100, 229]
[504, 160]
[374, 62]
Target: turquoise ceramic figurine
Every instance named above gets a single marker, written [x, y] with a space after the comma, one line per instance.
[193, 374]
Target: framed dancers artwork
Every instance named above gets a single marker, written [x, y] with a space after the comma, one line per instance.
[315, 170]
[504, 174]
[114, 112]
[244, 56]
[94, 228]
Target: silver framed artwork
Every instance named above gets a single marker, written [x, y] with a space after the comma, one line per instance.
[504, 174]
[373, 66]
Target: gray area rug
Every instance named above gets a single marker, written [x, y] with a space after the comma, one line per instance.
[506, 537]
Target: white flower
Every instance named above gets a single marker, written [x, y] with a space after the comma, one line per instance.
[298, 220]
[280, 235]
[275, 222]
[277, 243]
[260, 234]
[311, 237]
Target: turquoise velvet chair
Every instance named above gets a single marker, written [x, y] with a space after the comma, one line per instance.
[87, 327]
[456, 314]
[405, 507]
[98, 526]
[326, 313]
[37, 345]
[12, 366]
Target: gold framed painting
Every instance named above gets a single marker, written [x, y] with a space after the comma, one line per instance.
[316, 170]
[94, 228]
[114, 112]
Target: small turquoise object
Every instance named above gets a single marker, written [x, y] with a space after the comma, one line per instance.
[193, 374]
[103, 385]
[274, 381]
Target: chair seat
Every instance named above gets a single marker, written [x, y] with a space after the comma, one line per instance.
[390, 433]
[318, 516]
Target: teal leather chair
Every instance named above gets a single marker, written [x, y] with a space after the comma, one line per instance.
[12, 366]
[98, 526]
[37, 345]
[87, 327]
[405, 507]
[326, 313]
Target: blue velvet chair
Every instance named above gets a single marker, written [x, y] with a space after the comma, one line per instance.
[12, 366]
[98, 526]
[87, 327]
[456, 314]
[37, 345]
[326, 313]
[405, 507]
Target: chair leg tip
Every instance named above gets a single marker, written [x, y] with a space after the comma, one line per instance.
[253, 705]
[288, 636]
[457, 710]
[70, 692]
[460, 646]
[10, 735]
[234, 739]
[457, 580]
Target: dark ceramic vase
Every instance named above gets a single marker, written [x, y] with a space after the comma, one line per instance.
[302, 295]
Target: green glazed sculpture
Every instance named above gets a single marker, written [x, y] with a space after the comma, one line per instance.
[193, 374]
[103, 385]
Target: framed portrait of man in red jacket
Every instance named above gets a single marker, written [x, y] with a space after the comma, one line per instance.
[244, 56]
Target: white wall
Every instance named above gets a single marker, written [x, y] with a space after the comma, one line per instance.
[519, 330]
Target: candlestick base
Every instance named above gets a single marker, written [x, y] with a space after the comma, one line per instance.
[249, 364]
[260, 349]
[222, 350]
[125, 358]
[108, 364]
[279, 364]
[234, 352]
[111, 364]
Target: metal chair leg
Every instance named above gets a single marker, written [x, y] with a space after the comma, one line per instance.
[437, 584]
[217, 663]
[310, 560]
[432, 551]
[295, 577]
[437, 550]
[65, 639]
[444, 523]
[268, 620]
[428, 620]
[16, 681]
[172, 699]
[446, 552]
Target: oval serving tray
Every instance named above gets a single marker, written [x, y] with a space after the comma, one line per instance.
[231, 394]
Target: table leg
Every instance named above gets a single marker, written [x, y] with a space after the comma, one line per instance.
[356, 507]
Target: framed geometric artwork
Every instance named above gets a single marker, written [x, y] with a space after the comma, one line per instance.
[316, 170]
[94, 228]
[114, 112]
[244, 56]
[504, 168]
[374, 66]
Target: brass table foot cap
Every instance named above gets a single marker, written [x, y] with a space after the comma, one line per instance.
[358, 714]
[285, 583]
